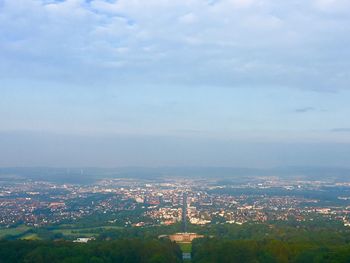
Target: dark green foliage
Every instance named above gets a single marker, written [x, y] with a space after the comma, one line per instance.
[123, 251]
[320, 232]
[268, 251]
[226, 251]
[316, 241]
[307, 242]
[139, 232]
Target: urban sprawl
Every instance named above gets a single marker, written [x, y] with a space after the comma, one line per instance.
[137, 202]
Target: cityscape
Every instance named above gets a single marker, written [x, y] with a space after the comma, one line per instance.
[187, 131]
[138, 203]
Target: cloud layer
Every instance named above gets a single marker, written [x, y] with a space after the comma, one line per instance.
[174, 82]
[302, 44]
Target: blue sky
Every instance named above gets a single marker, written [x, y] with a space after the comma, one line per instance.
[132, 82]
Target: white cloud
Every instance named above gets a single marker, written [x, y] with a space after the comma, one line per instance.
[184, 41]
[189, 18]
[242, 3]
[339, 6]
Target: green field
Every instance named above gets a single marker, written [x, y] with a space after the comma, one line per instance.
[92, 231]
[16, 231]
[185, 247]
[29, 233]
[30, 237]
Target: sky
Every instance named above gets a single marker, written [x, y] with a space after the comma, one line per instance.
[248, 83]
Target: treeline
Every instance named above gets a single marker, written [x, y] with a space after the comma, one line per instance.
[290, 242]
[316, 231]
[118, 251]
[267, 251]
[320, 232]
